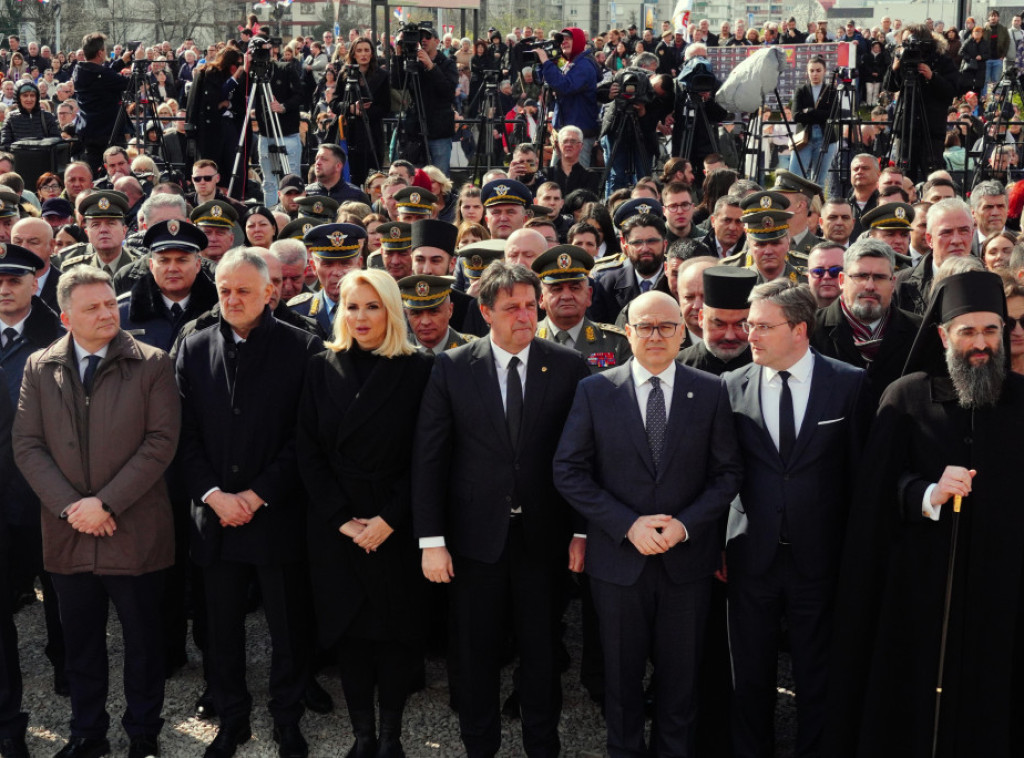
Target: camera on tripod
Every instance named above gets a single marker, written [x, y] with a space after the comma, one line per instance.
[412, 35]
[259, 50]
[553, 47]
[697, 77]
[915, 52]
[634, 87]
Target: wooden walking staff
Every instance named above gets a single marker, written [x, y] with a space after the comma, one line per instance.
[957, 503]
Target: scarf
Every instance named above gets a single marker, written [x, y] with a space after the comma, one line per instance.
[866, 339]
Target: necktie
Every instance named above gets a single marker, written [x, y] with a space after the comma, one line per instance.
[10, 334]
[90, 372]
[656, 421]
[514, 400]
[787, 420]
[645, 285]
[562, 337]
[176, 311]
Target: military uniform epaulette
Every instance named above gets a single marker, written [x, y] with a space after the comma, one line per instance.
[742, 259]
[798, 260]
[74, 260]
[608, 262]
[299, 299]
[466, 339]
[612, 329]
[124, 296]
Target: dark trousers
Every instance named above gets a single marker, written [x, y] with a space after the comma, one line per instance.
[286, 604]
[756, 605]
[660, 620]
[26, 564]
[526, 587]
[382, 665]
[84, 601]
[12, 720]
[714, 681]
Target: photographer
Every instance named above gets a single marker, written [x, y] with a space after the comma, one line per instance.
[812, 105]
[98, 91]
[438, 80]
[286, 102]
[366, 85]
[631, 100]
[574, 87]
[693, 90]
[935, 76]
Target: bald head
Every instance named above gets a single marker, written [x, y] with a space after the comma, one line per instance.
[655, 330]
[524, 245]
[276, 273]
[36, 235]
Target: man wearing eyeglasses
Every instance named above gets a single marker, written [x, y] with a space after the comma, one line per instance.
[863, 327]
[824, 264]
[798, 421]
[648, 457]
[677, 200]
[644, 245]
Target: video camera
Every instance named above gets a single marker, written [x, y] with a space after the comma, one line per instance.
[697, 76]
[634, 87]
[259, 50]
[916, 51]
[412, 35]
[553, 47]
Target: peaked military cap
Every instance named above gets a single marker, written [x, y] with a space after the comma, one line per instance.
[175, 235]
[10, 203]
[215, 213]
[889, 216]
[18, 261]
[635, 207]
[395, 235]
[505, 191]
[297, 229]
[563, 263]
[318, 206]
[765, 216]
[335, 242]
[480, 255]
[415, 200]
[787, 181]
[105, 204]
[422, 291]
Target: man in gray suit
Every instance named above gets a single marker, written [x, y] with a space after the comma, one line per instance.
[649, 457]
[797, 418]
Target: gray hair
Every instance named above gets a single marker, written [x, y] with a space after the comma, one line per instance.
[163, 200]
[502, 276]
[743, 187]
[570, 131]
[990, 188]
[949, 205]
[244, 256]
[868, 247]
[290, 252]
[645, 59]
[697, 49]
[731, 201]
[78, 277]
[958, 264]
[795, 300]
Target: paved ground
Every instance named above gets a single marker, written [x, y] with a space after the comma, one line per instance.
[431, 729]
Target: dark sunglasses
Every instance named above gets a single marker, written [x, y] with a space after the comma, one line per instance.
[1011, 323]
[820, 271]
[203, 178]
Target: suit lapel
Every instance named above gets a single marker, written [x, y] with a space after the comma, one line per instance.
[376, 391]
[752, 404]
[625, 398]
[486, 378]
[679, 414]
[537, 378]
[820, 376]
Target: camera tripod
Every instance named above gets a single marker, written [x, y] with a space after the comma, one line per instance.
[1004, 93]
[260, 97]
[625, 126]
[412, 94]
[910, 131]
[693, 113]
[136, 95]
[352, 102]
[488, 117]
[753, 144]
[845, 102]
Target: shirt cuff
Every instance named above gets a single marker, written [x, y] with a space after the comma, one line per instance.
[208, 493]
[579, 536]
[426, 542]
[686, 531]
[927, 509]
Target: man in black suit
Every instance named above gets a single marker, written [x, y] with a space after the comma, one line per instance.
[862, 326]
[248, 505]
[644, 243]
[797, 416]
[649, 457]
[486, 511]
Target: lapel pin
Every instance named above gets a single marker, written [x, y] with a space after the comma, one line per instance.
[689, 395]
[543, 369]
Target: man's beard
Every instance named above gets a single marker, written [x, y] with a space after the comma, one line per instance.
[976, 386]
[724, 354]
[649, 267]
[867, 310]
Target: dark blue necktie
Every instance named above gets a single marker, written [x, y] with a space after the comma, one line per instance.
[92, 362]
[656, 421]
[787, 419]
[514, 400]
[645, 285]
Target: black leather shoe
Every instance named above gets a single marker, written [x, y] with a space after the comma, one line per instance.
[143, 747]
[60, 684]
[84, 747]
[316, 698]
[290, 742]
[228, 738]
[205, 709]
[13, 747]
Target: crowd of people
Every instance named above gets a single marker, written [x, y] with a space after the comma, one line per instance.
[744, 412]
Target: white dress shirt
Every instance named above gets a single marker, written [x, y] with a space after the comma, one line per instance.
[81, 355]
[642, 384]
[771, 392]
[19, 328]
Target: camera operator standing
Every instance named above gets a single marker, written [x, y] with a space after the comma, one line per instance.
[574, 87]
[364, 84]
[98, 91]
[694, 110]
[933, 75]
[629, 134]
[286, 88]
[438, 78]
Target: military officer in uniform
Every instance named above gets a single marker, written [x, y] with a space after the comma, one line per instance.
[415, 203]
[337, 250]
[320, 207]
[104, 225]
[891, 224]
[799, 192]
[477, 257]
[428, 308]
[9, 213]
[766, 219]
[565, 297]
[395, 238]
[218, 220]
[297, 228]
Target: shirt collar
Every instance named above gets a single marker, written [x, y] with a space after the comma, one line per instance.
[798, 372]
[641, 374]
[502, 356]
[183, 302]
[19, 327]
[81, 354]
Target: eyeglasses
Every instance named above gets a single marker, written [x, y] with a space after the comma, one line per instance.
[208, 178]
[876, 278]
[649, 242]
[51, 185]
[819, 272]
[1011, 323]
[570, 142]
[679, 207]
[750, 328]
[665, 329]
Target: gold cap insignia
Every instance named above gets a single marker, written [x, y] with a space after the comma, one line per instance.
[103, 204]
[337, 238]
[306, 228]
[768, 221]
[901, 213]
[414, 197]
[395, 232]
[564, 260]
[216, 211]
[3, 249]
[173, 226]
[644, 208]
[766, 202]
[501, 189]
[318, 207]
[476, 261]
[422, 289]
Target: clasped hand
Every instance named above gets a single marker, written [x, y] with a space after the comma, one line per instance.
[653, 535]
[368, 534]
[88, 517]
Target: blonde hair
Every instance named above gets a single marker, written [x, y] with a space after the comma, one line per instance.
[396, 338]
[438, 176]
